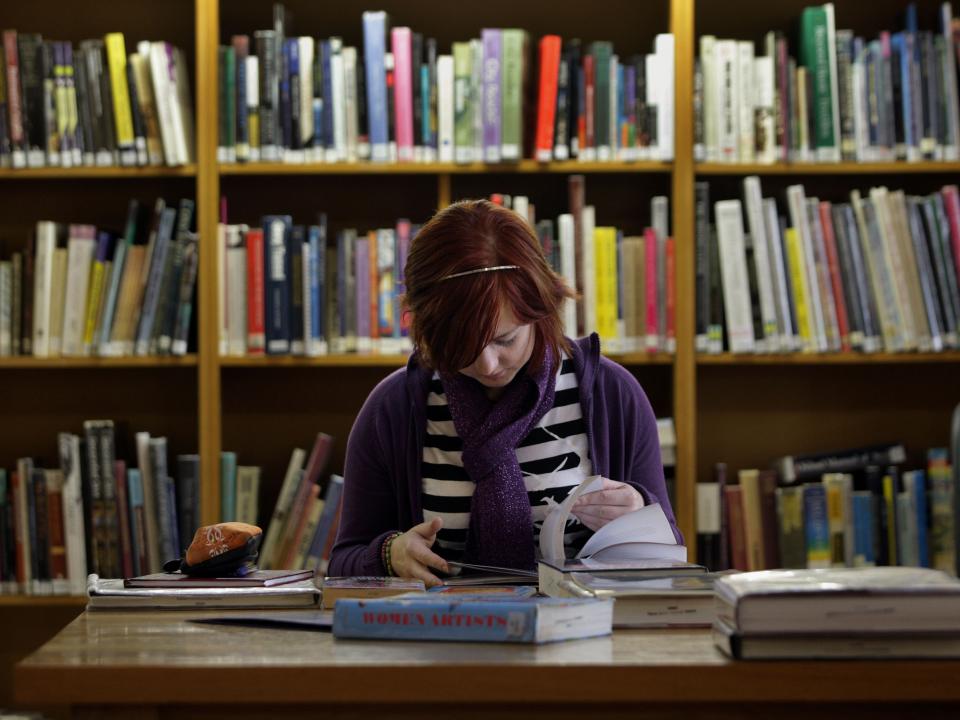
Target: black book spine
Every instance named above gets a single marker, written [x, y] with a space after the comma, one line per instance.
[265, 41]
[561, 135]
[286, 116]
[6, 149]
[136, 113]
[416, 61]
[573, 102]
[702, 214]
[30, 52]
[39, 536]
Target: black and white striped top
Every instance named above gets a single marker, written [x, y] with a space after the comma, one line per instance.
[553, 458]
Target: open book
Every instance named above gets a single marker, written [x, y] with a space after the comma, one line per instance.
[642, 535]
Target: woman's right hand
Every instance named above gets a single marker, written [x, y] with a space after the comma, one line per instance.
[411, 556]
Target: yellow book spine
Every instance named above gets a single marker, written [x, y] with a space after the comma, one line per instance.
[605, 270]
[795, 255]
[890, 502]
[835, 522]
[117, 62]
[253, 123]
[93, 302]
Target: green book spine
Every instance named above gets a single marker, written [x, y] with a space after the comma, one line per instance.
[511, 120]
[601, 52]
[228, 486]
[815, 56]
[463, 103]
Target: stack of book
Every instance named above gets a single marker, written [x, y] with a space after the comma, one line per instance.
[283, 290]
[870, 613]
[78, 291]
[878, 273]
[287, 98]
[847, 98]
[93, 105]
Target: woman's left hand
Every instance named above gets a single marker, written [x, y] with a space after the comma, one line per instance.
[595, 509]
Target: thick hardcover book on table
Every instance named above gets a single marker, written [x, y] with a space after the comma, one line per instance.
[840, 600]
[479, 617]
[680, 600]
[847, 646]
[256, 578]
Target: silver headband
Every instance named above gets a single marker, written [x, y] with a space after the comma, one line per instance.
[479, 270]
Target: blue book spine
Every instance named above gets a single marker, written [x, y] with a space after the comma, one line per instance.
[171, 491]
[437, 617]
[342, 298]
[363, 289]
[917, 486]
[295, 260]
[325, 55]
[286, 121]
[137, 531]
[374, 48]
[816, 525]
[901, 57]
[228, 486]
[331, 506]
[276, 232]
[429, 139]
[157, 265]
[863, 528]
[188, 495]
[316, 258]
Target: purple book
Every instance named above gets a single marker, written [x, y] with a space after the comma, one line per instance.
[492, 64]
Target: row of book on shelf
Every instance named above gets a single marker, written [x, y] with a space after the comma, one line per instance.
[77, 290]
[842, 97]
[398, 99]
[95, 512]
[878, 273]
[93, 105]
[857, 507]
[286, 289]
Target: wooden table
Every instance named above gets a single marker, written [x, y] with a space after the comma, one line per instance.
[156, 664]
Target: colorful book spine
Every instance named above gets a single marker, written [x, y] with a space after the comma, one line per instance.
[490, 101]
[817, 526]
[401, 39]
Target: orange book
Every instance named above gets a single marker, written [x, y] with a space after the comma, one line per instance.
[256, 332]
[550, 46]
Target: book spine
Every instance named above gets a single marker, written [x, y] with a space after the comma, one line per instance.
[550, 47]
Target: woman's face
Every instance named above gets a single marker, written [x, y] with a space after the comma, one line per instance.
[507, 353]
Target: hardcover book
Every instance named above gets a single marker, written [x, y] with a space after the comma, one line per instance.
[481, 617]
[255, 578]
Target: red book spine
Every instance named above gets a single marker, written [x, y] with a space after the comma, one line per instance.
[256, 332]
[783, 93]
[547, 97]
[833, 263]
[123, 511]
[671, 295]
[57, 546]
[14, 103]
[951, 199]
[734, 520]
[589, 88]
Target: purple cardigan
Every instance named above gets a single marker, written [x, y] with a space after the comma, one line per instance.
[382, 490]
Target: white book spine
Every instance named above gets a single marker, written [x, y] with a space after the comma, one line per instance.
[779, 275]
[253, 104]
[565, 228]
[733, 268]
[727, 100]
[588, 263]
[6, 309]
[445, 105]
[764, 110]
[79, 261]
[73, 524]
[352, 120]
[339, 104]
[834, 153]
[222, 297]
[236, 252]
[747, 87]
[879, 196]
[42, 286]
[664, 47]
[768, 310]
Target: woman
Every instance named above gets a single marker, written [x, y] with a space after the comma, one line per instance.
[496, 418]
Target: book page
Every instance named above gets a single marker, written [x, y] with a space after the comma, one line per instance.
[551, 534]
[648, 524]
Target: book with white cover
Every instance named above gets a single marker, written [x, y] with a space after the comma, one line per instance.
[736, 286]
[110, 593]
[838, 600]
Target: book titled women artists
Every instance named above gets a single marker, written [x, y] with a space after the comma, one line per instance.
[252, 578]
[479, 617]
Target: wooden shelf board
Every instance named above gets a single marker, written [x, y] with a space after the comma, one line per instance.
[396, 360]
[524, 166]
[826, 168]
[830, 359]
[15, 601]
[56, 173]
[34, 363]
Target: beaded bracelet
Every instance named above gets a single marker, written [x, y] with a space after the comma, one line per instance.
[385, 553]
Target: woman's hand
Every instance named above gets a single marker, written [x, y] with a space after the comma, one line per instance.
[595, 509]
[411, 556]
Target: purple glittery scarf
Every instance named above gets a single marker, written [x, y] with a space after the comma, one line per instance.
[501, 526]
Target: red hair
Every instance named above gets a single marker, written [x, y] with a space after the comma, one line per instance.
[454, 319]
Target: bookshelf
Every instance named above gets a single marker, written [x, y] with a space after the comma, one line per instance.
[724, 406]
